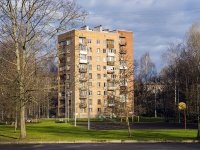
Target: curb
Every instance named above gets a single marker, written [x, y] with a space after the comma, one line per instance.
[104, 141]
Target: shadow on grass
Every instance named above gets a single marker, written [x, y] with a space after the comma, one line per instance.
[8, 136]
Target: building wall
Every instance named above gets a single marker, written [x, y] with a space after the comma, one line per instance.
[100, 102]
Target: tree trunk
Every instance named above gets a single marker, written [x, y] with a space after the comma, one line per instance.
[22, 120]
[128, 125]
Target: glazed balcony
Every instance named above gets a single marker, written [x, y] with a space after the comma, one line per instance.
[83, 49]
[82, 105]
[83, 88]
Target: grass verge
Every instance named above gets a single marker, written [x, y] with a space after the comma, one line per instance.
[51, 131]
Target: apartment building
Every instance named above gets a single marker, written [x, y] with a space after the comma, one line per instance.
[91, 63]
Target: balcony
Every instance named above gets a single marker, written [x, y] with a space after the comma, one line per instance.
[62, 56]
[111, 79]
[82, 105]
[83, 61]
[83, 70]
[83, 96]
[111, 105]
[122, 43]
[83, 88]
[110, 54]
[61, 73]
[123, 67]
[62, 52]
[111, 45]
[82, 79]
[110, 71]
[111, 97]
[123, 51]
[83, 49]
[111, 88]
[111, 63]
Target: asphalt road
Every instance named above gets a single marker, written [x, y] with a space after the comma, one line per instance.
[124, 146]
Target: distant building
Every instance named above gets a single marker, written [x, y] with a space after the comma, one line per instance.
[89, 62]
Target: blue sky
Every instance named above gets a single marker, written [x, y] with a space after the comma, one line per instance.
[154, 23]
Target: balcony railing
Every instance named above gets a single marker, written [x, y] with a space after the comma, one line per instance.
[122, 67]
[83, 88]
[111, 105]
[110, 71]
[83, 70]
[122, 51]
[111, 63]
[111, 88]
[111, 45]
[110, 54]
[82, 105]
[122, 43]
[83, 96]
[83, 61]
[82, 79]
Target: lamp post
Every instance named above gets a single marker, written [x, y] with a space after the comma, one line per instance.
[65, 103]
[88, 99]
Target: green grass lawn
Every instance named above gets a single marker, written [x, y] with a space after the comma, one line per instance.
[51, 131]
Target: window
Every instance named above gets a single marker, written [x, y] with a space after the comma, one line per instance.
[98, 76]
[104, 50]
[104, 42]
[105, 110]
[68, 76]
[105, 101]
[113, 76]
[99, 101]
[98, 92]
[82, 110]
[82, 57]
[98, 41]
[105, 93]
[90, 101]
[104, 67]
[90, 84]
[98, 84]
[98, 50]
[67, 85]
[62, 43]
[90, 93]
[82, 75]
[98, 67]
[105, 75]
[82, 40]
[90, 58]
[89, 40]
[99, 110]
[90, 67]
[90, 76]
[68, 59]
[98, 58]
[90, 109]
[90, 49]
[104, 84]
[68, 50]
[68, 42]
[68, 67]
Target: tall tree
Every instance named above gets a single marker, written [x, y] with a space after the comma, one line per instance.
[29, 26]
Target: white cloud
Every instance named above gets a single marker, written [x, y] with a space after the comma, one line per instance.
[155, 23]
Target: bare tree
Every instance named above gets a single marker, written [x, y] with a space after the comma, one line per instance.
[29, 26]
